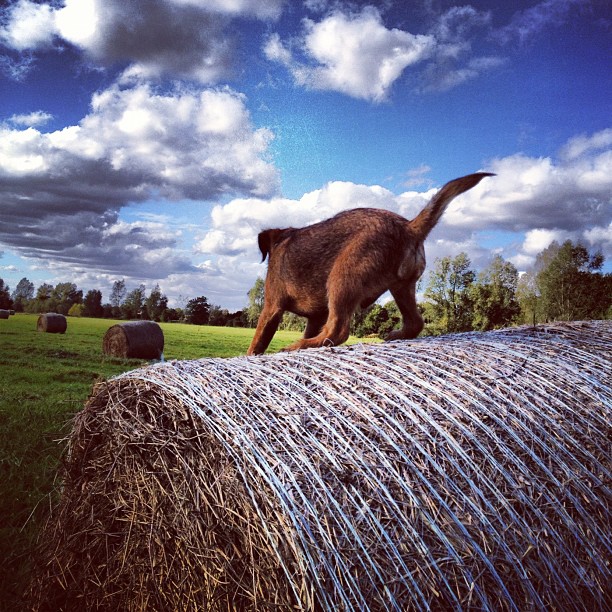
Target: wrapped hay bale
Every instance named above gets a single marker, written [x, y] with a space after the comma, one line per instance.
[135, 339]
[468, 472]
[52, 323]
[4, 314]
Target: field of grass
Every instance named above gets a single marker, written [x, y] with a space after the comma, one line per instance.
[44, 380]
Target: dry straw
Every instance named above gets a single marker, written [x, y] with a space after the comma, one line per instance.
[469, 472]
[52, 323]
[135, 339]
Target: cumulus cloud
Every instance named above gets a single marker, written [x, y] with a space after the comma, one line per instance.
[351, 53]
[61, 191]
[178, 38]
[356, 54]
[545, 199]
[30, 25]
[535, 200]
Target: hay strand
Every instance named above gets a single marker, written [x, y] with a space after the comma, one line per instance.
[135, 339]
[468, 472]
[52, 323]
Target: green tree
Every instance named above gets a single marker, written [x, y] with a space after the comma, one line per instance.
[197, 311]
[23, 293]
[63, 296]
[76, 310]
[449, 306]
[494, 295]
[570, 284]
[42, 300]
[256, 302]
[528, 297]
[156, 304]
[292, 322]
[92, 304]
[133, 304]
[379, 320]
[172, 314]
[117, 296]
[217, 316]
[6, 303]
[237, 319]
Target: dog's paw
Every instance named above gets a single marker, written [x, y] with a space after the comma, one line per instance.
[396, 334]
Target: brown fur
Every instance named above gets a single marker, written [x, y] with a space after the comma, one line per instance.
[325, 271]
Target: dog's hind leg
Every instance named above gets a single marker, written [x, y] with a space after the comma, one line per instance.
[405, 298]
[314, 325]
[334, 332]
[343, 301]
[268, 323]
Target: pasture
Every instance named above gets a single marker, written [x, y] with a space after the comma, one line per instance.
[44, 380]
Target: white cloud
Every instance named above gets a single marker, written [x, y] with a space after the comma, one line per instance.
[78, 21]
[351, 53]
[61, 191]
[534, 200]
[263, 9]
[177, 38]
[31, 119]
[579, 145]
[31, 25]
[355, 54]
[537, 240]
[528, 23]
[539, 193]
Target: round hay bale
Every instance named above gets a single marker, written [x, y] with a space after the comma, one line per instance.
[468, 472]
[52, 323]
[4, 314]
[135, 339]
[11, 312]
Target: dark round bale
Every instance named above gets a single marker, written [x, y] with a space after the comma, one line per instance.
[135, 339]
[468, 472]
[4, 314]
[52, 323]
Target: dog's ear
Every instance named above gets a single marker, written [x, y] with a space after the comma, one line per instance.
[266, 241]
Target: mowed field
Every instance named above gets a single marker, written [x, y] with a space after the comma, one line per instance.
[44, 380]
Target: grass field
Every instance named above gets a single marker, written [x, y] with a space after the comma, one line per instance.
[46, 378]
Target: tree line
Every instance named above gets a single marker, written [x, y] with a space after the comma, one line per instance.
[566, 283]
[65, 298]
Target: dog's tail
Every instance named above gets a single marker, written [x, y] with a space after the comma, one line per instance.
[426, 220]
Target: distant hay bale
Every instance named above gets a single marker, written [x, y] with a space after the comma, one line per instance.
[11, 312]
[4, 314]
[467, 472]
[52, 323]
[135, 339]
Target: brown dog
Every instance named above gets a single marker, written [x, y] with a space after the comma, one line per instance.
[325, 271]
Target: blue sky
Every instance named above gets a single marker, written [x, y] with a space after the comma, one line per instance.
[151, 140]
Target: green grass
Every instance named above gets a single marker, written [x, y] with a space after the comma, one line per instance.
[44, 380]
